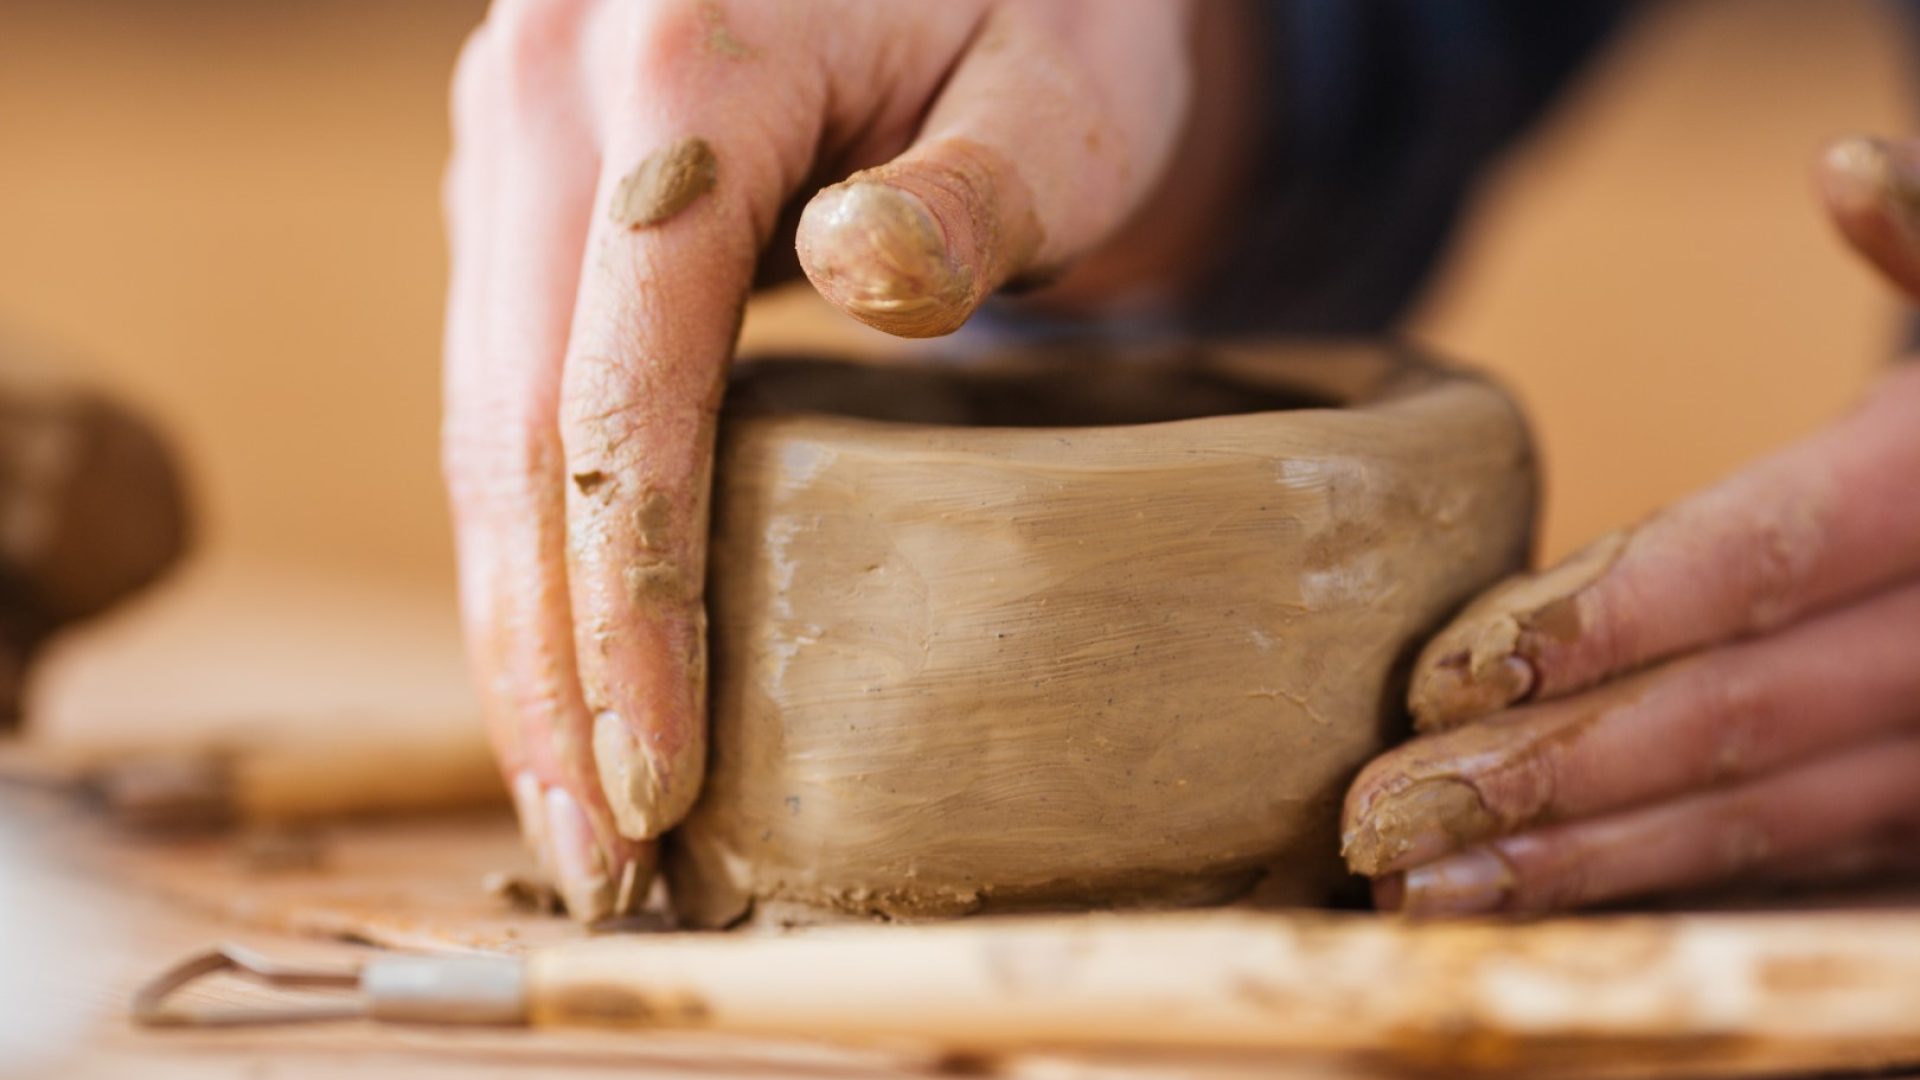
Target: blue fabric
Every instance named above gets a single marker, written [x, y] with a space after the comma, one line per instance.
[1387, 113]
[1382, 115]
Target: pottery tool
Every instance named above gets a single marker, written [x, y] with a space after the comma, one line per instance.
[1836, 990]
[301, 778]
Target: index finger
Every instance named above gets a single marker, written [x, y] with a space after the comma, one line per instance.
[1815, 524]
[688, 193]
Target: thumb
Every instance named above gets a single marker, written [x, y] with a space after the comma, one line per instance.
[1055, 125]
[1872, 189]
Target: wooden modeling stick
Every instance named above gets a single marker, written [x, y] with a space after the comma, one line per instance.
[1783, 992]
[302, 780]
[289, 777]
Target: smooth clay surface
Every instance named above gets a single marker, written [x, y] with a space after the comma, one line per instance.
[1082, 631]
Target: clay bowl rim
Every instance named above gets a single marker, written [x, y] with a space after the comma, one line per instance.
[1258, 381]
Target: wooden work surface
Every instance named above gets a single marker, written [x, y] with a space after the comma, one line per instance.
[146, 903]
[129, 906]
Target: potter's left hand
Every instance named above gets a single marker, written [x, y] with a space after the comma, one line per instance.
[1729, 690]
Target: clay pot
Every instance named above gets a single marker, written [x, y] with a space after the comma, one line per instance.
[1082, 631]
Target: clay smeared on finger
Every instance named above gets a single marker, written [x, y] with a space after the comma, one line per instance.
[1783, 819]
[1392, 827]
[914, 246]
[1872, 189]
[1487, 658]
[1725, 715]
[666, 182]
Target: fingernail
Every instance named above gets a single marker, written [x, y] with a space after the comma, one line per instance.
[1416, 824]
[532, 812]
[579, 868]
[1469, 883]
[875, 249]
[629, 778]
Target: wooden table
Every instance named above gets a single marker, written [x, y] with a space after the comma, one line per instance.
[88, 912]
[110, 911]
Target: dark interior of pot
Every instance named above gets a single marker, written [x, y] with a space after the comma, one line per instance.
[1081, 387]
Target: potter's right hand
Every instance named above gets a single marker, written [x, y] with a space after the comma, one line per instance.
[619, 169]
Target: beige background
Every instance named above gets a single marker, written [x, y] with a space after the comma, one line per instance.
[229, 210]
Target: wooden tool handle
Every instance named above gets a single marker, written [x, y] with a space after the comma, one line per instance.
[1801, 991]
[305, 777]
[310, 780]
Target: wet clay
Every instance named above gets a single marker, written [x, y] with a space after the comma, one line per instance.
[1473, 782]
[720, 39]
[1451, 804]
[875, 243]
[1075, 631]
[665, 183]
[1483, 661]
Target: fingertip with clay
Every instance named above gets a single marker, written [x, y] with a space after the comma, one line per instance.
[1527, 636]
[1459, 686]
[1392, 827]
[913, 247]
[648, 788]
[1872, 189]
[1854, 174]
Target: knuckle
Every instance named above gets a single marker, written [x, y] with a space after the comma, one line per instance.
[1787, 541]
[486, 466]
[1523, 791]
[665, 38]
[473, 79]
[1731, 699]
[535, 34]
[1742, 841]
[522, 57]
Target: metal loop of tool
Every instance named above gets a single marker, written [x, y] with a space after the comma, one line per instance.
[152, 1005]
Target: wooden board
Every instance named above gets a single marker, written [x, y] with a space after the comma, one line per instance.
[112, 910]
[417, 885]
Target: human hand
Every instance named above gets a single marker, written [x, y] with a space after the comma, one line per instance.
[1729, 689]
[619, 170]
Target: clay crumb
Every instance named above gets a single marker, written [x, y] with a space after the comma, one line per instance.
[654, 582]
[522, 894]
[667, 182]
[967, 1063]
[720, 40]
[274, 849]
[652, 520]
